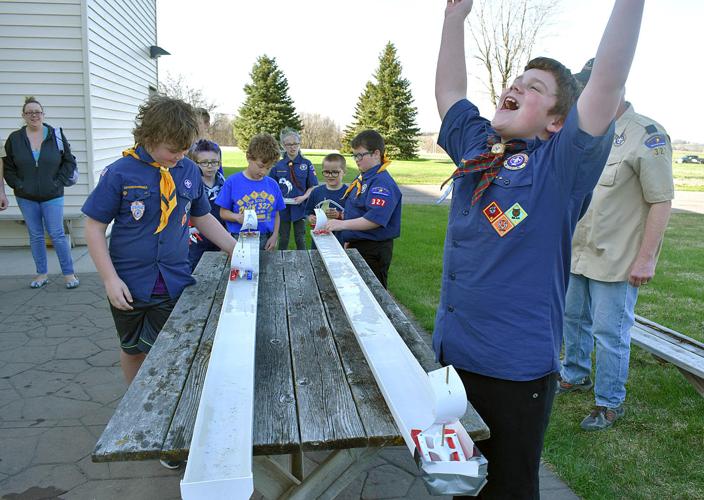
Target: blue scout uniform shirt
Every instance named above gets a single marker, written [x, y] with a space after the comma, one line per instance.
[322, 193]
[128, 193]
[506, 259]
[263, 196]
[380, 202]
[305, 175]
[204, 244]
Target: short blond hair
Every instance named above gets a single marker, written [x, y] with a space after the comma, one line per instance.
[264, 148]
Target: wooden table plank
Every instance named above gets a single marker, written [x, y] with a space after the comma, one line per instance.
[472, 422]
[140, 423]
[178, 439]
[327, 414]
[275, 419]
[371, 406]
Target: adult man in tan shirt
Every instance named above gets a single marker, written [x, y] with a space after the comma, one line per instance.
[614, 251]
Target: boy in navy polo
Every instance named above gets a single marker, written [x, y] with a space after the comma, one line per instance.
[208, 156]
[254, 189]
[334, 168]
[372, 206]
[296, 178]
[523, 181]
[150, 194]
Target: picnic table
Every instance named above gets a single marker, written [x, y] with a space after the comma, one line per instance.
[313, 388]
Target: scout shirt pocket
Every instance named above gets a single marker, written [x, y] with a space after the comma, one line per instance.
[505, 204]
[135, 204]
[608, 176]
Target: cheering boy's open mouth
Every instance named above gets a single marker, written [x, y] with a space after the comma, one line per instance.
[510, 103]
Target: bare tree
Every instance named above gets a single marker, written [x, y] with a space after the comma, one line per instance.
[505, 33]
[319, 132]
[176, 86]
[221, 130]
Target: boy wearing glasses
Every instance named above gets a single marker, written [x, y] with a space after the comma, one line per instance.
[334, 168]
[207, 155]
[296, 178]
[372, 206]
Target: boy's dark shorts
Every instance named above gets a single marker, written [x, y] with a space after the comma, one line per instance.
[139, 327]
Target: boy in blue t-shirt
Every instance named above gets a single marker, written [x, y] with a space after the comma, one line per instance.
[208, 156]
[522, 182]
[296, 178]
[254, 189]
[334, 168]
[149, 194]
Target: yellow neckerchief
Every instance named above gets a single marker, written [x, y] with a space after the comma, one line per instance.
[167, 189]
[357, 183]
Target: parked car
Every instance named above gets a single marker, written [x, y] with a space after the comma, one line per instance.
[690, 159]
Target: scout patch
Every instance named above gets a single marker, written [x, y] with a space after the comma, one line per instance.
[187, 208]
[502, 225]
[381, 191]
[516, 214]
[516, 162]
[655, 141]
[620, 139]
[364, 188]
[492, 211]
[303, 167]
[188, 183]
[137, 209]
[377, 202]
[184, 219]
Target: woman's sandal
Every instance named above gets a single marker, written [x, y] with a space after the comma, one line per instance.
[39, 283]
[73, 283]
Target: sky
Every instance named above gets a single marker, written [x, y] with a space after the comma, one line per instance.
[328, 50]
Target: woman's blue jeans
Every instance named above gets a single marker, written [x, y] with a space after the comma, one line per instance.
[50, 215]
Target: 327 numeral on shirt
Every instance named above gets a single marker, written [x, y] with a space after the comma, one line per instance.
[378, 202]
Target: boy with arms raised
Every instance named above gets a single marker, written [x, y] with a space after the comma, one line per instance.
[523, 181]
[254, 189]
[150, 194]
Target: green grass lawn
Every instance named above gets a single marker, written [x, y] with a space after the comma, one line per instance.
[436, 168]
[656, 450]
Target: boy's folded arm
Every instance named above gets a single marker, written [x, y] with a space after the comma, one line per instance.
[451, 72]
[231, 216]
[598, 103]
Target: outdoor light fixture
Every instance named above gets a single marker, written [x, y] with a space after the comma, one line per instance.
[155, 52]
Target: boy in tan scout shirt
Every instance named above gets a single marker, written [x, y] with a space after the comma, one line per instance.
[614, 251]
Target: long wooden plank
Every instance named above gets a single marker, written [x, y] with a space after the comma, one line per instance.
[141, 421]
[326, 411]
[275, 419]
[472, 422]
[374, 414]
[178, 439]
[675, 354]
[641, 321]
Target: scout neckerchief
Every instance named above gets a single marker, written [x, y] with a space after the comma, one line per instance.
[292, 174]
[167, 189]
[488, 163]
[357, 183]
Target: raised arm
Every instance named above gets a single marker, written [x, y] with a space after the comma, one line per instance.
[599, 101]
[451, 73]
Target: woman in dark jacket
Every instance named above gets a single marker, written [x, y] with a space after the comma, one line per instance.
[35, 168]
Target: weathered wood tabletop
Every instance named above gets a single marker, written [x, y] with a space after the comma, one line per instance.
[313, 388]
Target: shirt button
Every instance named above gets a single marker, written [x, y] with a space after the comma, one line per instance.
[453, 276]
[465, 212]
[450, 309]
[455, 244]
[506, 182]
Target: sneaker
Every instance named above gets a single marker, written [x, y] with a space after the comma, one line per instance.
[563, 387]
[171, 464]
[601, 418]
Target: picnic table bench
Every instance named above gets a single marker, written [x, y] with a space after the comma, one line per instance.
[313, 388]
[71, 214]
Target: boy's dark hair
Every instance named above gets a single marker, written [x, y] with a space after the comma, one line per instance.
[568, 88]
[335, 157]
[202, 146]
[165, 120]
[264, 148]
[370, 140]
[204, 114]
[29, 100]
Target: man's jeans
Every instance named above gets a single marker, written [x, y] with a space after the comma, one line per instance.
[50, 214]
[601, 311]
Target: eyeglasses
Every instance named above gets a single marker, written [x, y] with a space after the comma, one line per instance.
[358, 156]
[209, 163]
[331, 173]
[33, 113]
[292, 144]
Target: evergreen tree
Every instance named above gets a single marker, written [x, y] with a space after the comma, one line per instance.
[387, 107]
[267, 107]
